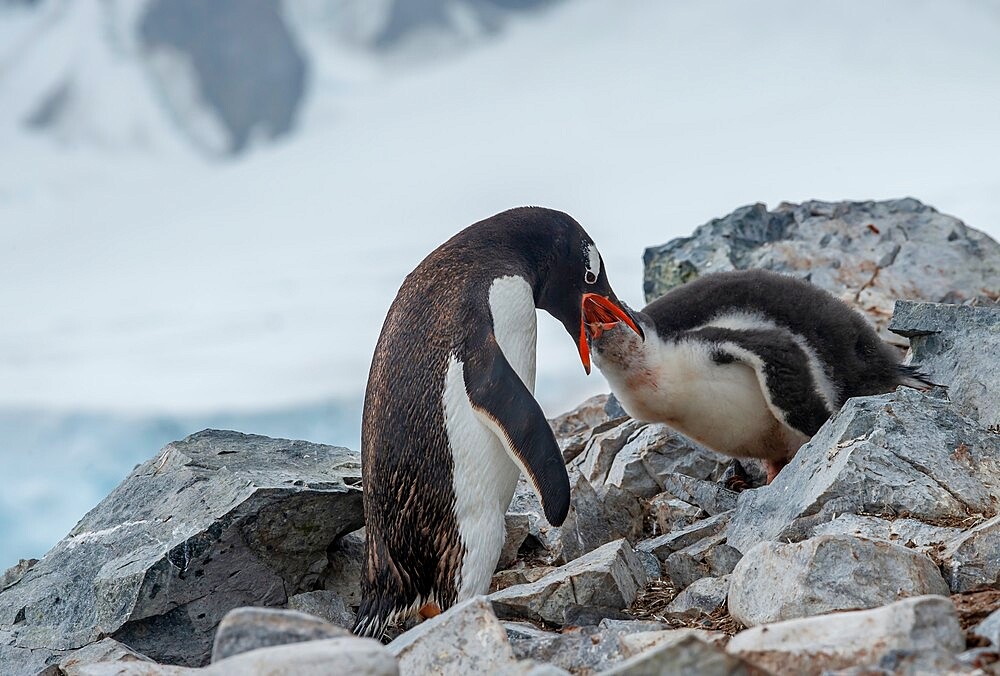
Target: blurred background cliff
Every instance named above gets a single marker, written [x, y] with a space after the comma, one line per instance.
[207, 207]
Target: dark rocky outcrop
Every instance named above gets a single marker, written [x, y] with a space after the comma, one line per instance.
[213, 522]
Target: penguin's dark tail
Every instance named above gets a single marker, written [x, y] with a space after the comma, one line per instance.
[374, 615]
[913, 377]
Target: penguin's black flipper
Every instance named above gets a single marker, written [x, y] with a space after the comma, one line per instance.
[505, 405]
[783, 371]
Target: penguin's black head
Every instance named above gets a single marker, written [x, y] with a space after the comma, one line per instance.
[572, 283]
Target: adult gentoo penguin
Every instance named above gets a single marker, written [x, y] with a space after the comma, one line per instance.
[748, 363]
[449, 418]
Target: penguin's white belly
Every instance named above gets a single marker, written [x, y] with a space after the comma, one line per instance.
[484, 476]
[679, 384]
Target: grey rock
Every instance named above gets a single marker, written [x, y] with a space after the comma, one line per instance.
[907, 532]
[915, 662]
[672, 514]
[710, 556]
[106, 651]
[467, 638]
[586, 649]
[613, 408]
[341, 571]
[585, 528]
[896, 454]
[350, 654]
[594, 519]
[543, 540]
[722, 558]
[574, 428]
[518, 526]
[324, 604]
[972, 559]
[522, 631]
[688, 656]
[245, 629]
[134, 669]
[989, 628]
[599, 454]
[213, 522]
[945, 341]
[584, 418]
[623, 627]
[625, 513]
[843, 640]
[639, 642]
[16, 572]
[629, 473]
[665, 451]
[777, 582]
[701, 596]
[710, 496]
[531, 668]
[664, 545]
[650, 564]
[241, 60]
[607, 578]
[513, 576]
[867, 253]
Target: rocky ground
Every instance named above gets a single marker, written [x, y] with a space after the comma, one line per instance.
[875, 551]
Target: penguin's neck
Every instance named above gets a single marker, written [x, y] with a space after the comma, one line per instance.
[515, 324]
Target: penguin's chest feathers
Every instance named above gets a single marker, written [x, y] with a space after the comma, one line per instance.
[679, 383]
[484, 476]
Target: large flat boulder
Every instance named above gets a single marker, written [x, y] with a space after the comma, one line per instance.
[213, 522]
[867, 253]
[818, 644]
[902, 454]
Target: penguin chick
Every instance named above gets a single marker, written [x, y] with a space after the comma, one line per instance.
[449, 418]
[748, 363]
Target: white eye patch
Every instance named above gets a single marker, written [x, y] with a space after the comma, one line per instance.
[593, 263]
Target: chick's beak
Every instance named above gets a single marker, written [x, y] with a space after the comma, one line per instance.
[603, 313]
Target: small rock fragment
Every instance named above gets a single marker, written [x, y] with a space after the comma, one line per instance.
[324, 604]
[945, 340]
[245, 629]
[606, 579]
[702, 596]
[989, 628]
[105, 651]
[972, 559]
[518, 525]
[710, 496]
[672, 514]
[664, 545]
[633, 644]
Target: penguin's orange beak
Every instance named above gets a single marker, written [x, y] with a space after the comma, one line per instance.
[599, 314]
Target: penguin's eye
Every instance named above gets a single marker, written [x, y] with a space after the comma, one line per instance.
[592, 262]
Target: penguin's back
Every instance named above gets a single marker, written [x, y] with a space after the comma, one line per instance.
[852, 358]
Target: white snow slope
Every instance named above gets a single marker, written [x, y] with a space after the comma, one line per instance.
[139, 278]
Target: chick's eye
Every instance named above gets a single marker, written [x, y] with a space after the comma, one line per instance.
[590, 277]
